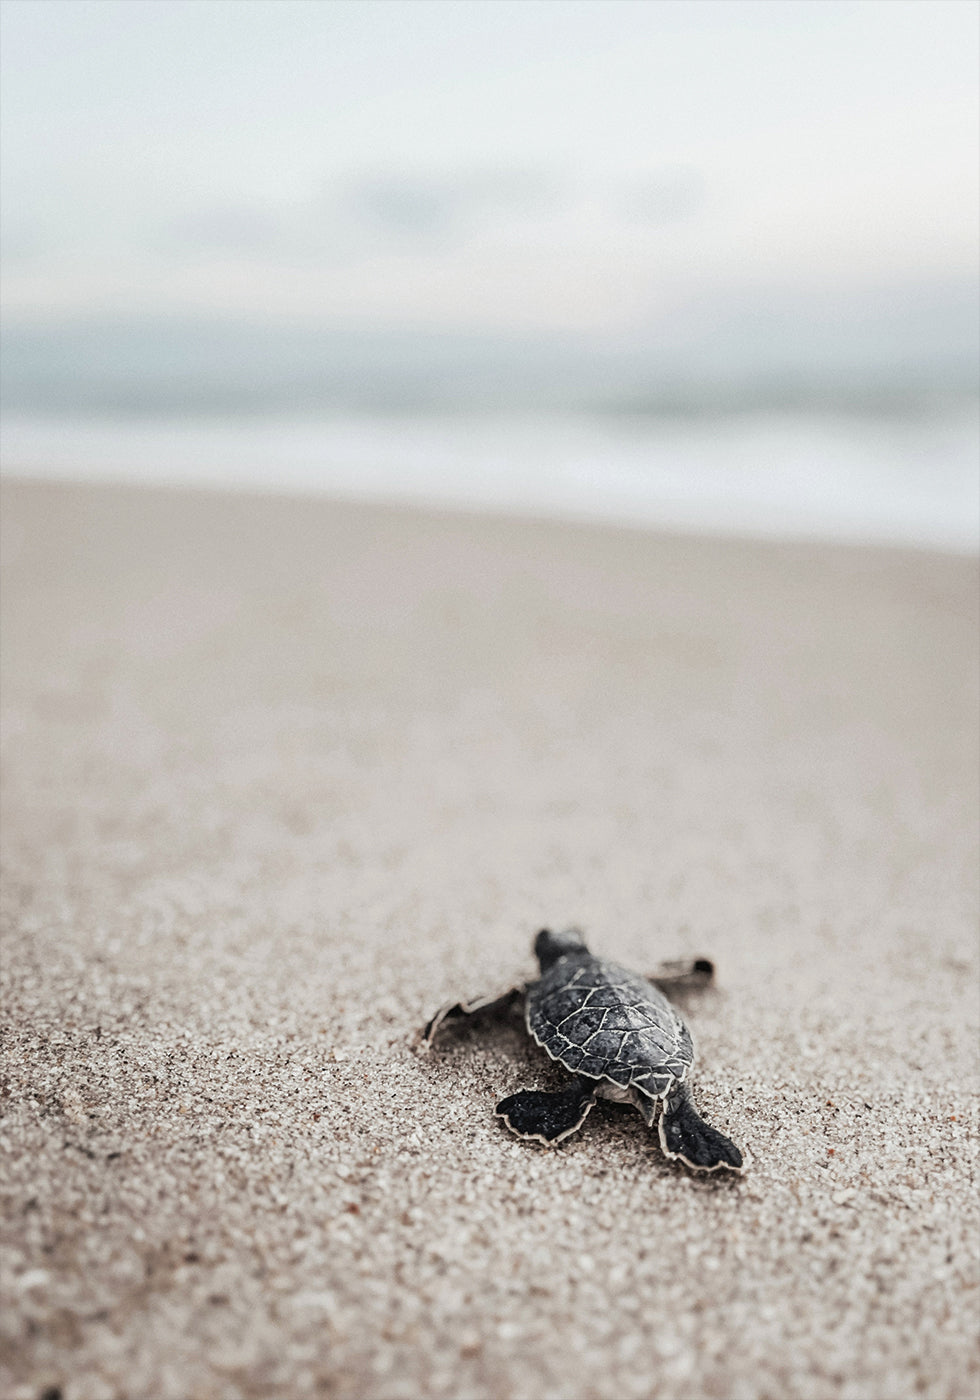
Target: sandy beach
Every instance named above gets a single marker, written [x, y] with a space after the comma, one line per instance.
[281, 776]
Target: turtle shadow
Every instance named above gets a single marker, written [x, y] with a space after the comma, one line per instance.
[499, 1025]
[619, 1124]
[506, 1048]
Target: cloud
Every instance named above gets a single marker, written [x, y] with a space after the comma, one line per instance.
[418, 207]
[666, 197]
[21, 240]
[406, 209]
[360, 215]
[228, 228]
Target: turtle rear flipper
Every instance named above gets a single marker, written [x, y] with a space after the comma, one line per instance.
[545, 1117]
[685, 1135]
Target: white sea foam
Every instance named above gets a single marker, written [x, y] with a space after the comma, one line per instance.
[891, 479]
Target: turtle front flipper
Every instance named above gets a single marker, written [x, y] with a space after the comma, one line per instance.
[548, 1118]
[453, 1010]
[684, 1135]
[683, 974]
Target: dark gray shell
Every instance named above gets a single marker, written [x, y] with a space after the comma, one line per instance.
[604, 1022]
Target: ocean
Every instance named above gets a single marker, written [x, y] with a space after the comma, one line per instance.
[850, 437]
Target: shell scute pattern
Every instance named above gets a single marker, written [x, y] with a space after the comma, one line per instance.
[607, 1023]
[605, 996]
[583, 1023]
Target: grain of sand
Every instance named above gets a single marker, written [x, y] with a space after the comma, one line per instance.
[282, 775]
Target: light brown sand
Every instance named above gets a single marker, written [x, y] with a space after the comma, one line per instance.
[281, 776]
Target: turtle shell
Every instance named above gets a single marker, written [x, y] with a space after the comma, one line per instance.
[602, 1021]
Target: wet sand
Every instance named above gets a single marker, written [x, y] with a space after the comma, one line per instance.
[283, 775]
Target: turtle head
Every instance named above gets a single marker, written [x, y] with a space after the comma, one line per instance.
[549, 947]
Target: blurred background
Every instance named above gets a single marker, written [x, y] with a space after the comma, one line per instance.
[707, 264]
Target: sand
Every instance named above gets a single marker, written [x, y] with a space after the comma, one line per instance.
[282, 776]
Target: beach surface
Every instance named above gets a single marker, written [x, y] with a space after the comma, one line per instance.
[283, 775]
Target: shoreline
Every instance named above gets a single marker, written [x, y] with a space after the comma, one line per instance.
[875, 480]
[501, 515]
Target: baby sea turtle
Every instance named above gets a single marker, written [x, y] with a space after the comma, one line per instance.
[619, 1036]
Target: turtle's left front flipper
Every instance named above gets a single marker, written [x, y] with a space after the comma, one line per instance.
[548, 1118]
[685, 1135]
[454, 1010]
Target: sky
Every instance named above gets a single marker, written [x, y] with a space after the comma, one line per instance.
[566, 166]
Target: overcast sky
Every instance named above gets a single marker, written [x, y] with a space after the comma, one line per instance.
[513, 164]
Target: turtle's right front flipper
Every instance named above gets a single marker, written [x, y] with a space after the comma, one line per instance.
[683, 974]
[454, 1010]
